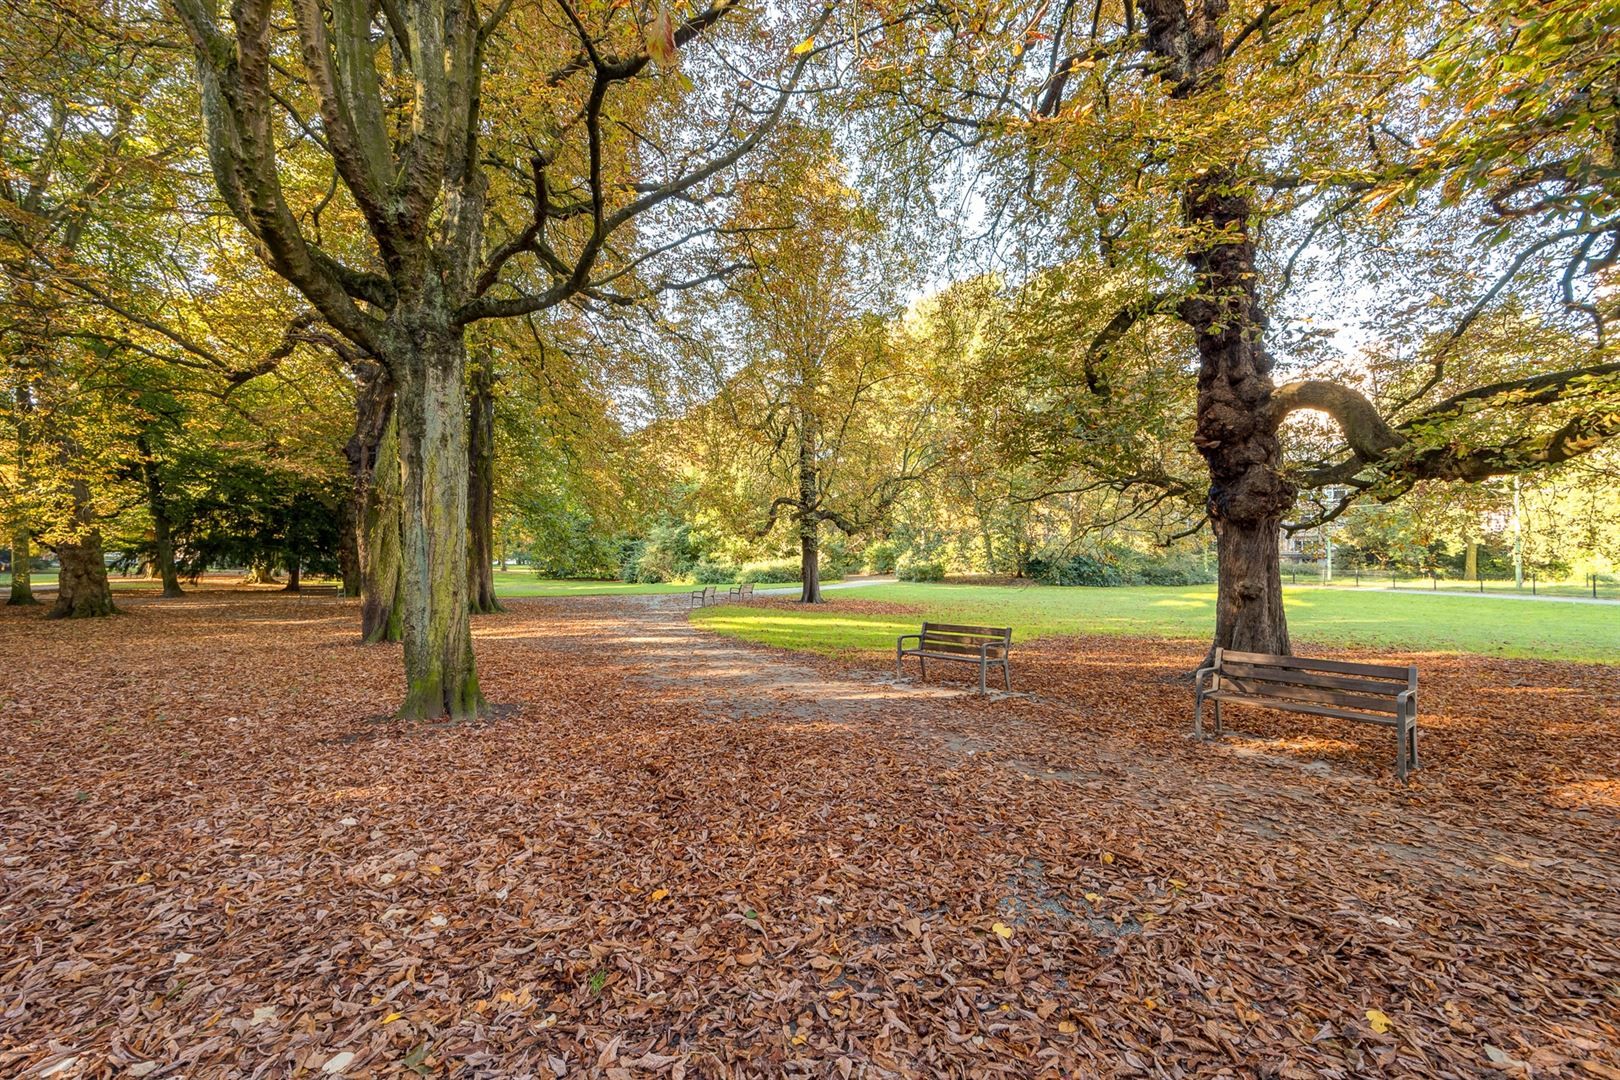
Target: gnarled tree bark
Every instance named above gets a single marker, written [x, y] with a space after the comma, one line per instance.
[82, 590]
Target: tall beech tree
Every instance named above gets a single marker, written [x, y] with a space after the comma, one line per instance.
[820, 416]
[1143, 133]
[439, 121]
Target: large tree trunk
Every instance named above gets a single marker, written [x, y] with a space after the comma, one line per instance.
[349, 550]
[380, 611]
[481, 493]
[295, 575]
[809, 520]
[82, 589]
[1471, 562]
[162, 529]
[1235, 432]
[22, 569]
[1248, 495]
[373, 415]
[810, 561]
[430, 366]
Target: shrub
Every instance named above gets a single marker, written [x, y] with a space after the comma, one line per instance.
[1115, 566]
[773, 572]
[713, 573]
[910, 569]
[837, 557]
[882, 556]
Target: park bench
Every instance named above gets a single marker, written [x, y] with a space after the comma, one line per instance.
[745, 591]
[1369, 693]
[702, 597]
[985, 646]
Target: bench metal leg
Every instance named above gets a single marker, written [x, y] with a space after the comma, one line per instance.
[898, 654]
[983, 667]
[1006, 676]
[1198, 715]
[922, 661]
[1218, 730]
[1411, 739]
[1403, 744]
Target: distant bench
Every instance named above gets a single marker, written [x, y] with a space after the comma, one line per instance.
[1369, 693]
[710, 594]
[986, 646]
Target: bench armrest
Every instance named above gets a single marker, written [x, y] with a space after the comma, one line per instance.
[1404, 696]
[901, 640]
[1198, 677]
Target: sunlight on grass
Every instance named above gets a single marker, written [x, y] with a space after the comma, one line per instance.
[1368, 618]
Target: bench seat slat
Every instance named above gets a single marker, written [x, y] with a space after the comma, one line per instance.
[948, 648]
[1306, 678]
[1285, 696]
[1303, 707]
[1342, 667]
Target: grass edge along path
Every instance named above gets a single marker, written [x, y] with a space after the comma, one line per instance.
[1319, 618]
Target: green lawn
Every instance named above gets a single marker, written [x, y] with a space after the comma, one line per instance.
[1326, 617]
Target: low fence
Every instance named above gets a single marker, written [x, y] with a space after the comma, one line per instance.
[1592, 586]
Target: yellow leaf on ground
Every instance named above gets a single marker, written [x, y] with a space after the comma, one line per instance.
[1002, 930]
[1068, 1027]
[1108, 856]
[391, 1017]
[658, 894]
[1380, 1022]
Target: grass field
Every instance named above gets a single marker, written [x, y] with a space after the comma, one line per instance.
[1325, 617]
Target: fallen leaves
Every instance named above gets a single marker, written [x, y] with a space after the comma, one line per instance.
[689, 858]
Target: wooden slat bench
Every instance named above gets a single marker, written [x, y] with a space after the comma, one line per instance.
[745, 591]
[1369, 693]
[986, 646]
[702, 597]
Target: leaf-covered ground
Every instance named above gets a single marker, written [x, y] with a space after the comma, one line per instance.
[677, 855]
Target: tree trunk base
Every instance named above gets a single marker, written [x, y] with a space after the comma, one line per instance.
[430, 699]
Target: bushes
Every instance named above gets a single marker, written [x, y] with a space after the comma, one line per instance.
[713, 573]
[910, 569]
[1115, 566]
[772, 572]
[882, 556]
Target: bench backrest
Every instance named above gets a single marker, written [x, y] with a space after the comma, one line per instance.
[965, 640]
[746, 589]
[1366, 688]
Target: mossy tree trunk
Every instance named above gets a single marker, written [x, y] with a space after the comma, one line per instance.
[481, 491]
[22, 569]
[373, 453]
[429, 360]
[157, 505]
[380, 612]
